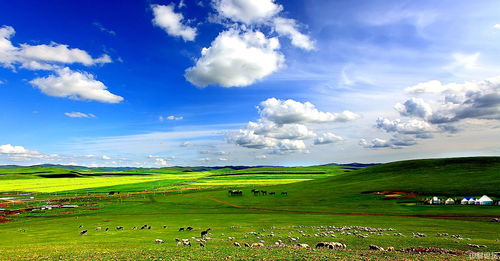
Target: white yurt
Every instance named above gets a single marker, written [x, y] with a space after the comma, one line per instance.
[484, 200]
[472, 201]
[449, 201]
[436, 201]
[464, 201]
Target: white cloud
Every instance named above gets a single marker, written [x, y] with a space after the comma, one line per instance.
[104, 29]
[290, 111]
[222, 159]
[414, 107]
[43, 56]
[261, 156]
[171, 118]
[236, 59]
[106, 157]
[465, 61]
[433, 86]
[161, 162]
[288, 27]
[327, 138]
[496, 26]
[172, 22]
[10, 149]
[187, 144]
[247, 11]
[75, 85]
[395, 143]
[79, 115]
[288, 131]
[412, 126]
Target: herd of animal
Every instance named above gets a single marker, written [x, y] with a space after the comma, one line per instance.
[291, 238]
[256, 193]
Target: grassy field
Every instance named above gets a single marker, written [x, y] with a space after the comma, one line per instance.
[324, 208]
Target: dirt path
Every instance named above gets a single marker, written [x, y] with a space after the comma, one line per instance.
[341, 214]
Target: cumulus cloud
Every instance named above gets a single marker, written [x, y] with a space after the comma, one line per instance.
[106, 157]
[10, 149]
[394, 143]
[288, 27]
[496, 26]
[43, 56]
[282, 127]
[79, 115]
[414, 107]
[413, 126]
[161, 162]
[236, 59]
[458, 101]
[171, 118]
[247, 11]
[290, 111]
[173, 23]
[327, 138]
[75, 85]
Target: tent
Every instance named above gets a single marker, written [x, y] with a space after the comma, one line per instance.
[436, 201]
[472, 201]
[484, 200]
[464, 201]
[449, 201]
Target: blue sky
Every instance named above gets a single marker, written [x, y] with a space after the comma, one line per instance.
[233, 82]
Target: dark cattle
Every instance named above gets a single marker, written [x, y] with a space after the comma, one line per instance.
[272, 193]
[135, 228]
[181, 229]
[80, 226]
[236, 193]
[201, 244]
[107, 228]
[83, 232]
[144, 227]
[284, 193]
[205, 232]
[149, 227]
[263, 192]
[256, 192]
[119, 228]
[111, 193]
[164, 226]
[189, 228]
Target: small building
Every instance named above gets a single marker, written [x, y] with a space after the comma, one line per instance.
[449, 201]
[484, 200]
[435, 201]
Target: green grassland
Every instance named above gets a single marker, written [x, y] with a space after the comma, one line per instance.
[198, 197]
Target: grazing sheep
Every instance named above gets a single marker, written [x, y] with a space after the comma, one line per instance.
[331, 245]
[98, 228]
[230, 238]
[305, 246]
[159, 241]
[391, 249]
[186, 242]
[119, 228]
[257, 245]
[247, 245]
[236, 244]
[83, 232]
[375, 247]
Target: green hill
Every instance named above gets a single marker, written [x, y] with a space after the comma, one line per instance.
[353, 192]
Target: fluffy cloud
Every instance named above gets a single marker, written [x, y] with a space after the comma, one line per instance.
[106, 157]
[327, 138]
[172, 22]
[496, 26]
[414, 107]
[44, 56]
[288, 27]
[413, 126]
[161, 162]
[75, 85]
[394, 143]
[171, 118]
[236, 59]
[247, 11]
[458, 101]
[282, 127]
[10, 149]
[79, 115]
[290, 111]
